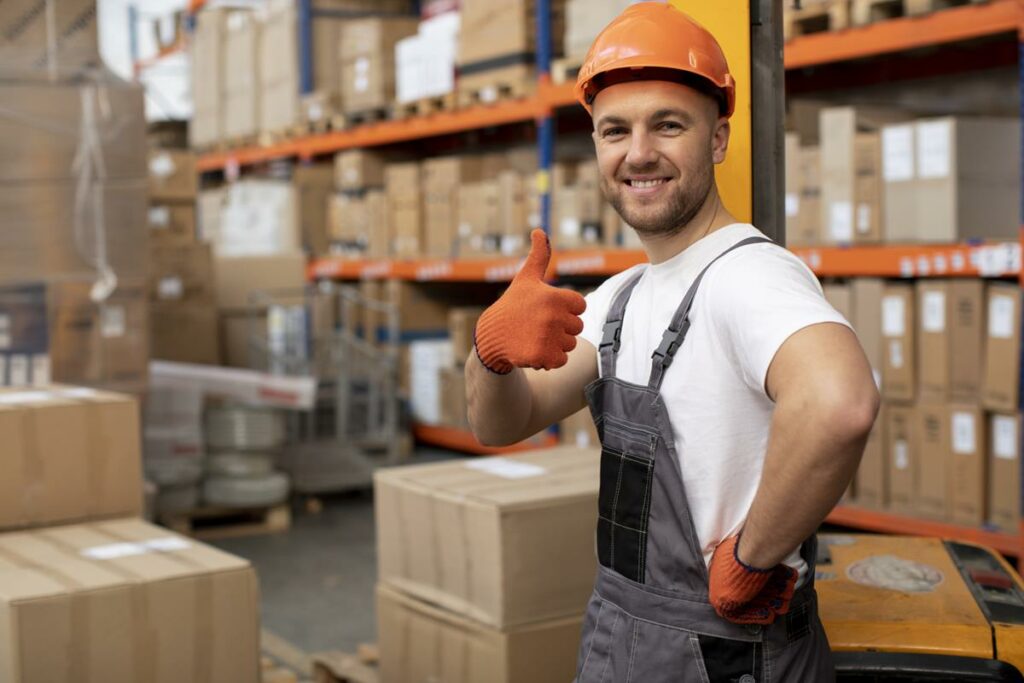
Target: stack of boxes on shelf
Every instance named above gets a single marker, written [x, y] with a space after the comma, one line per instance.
[72, 207]
[467, 590]
[368, 73]
[946, 354]
[584, 19]
[78, 562]
[858, 175]
[461, 327]
[357, 214]
[580, 216]
[425, 60]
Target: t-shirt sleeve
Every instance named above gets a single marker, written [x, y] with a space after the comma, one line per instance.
[761, 297]
[598, 303]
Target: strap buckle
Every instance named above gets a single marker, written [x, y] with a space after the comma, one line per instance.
[612, 335]
[670, 342]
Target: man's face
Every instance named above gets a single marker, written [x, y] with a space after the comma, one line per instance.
[657, 143]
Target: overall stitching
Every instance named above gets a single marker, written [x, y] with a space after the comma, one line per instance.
[611, 639]
[632, 652]
[698, 657]
[593, 637]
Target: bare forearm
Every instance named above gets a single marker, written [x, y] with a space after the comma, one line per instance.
[813, 452]
[498, 405]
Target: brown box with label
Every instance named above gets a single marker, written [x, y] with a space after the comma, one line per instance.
[479, 207]
[313, 184]
[419, 308]
[185, 332]
[969, 466]
[867, 320]
[239, 330]
[182, 274]
[477, 538]
[172, 175]
[240, 279]
[70, 454]
[421, 642]
[872, 479]
[901, 451]
[34, 34]
[131, 602]
[240, 96]
[899, 371]
[579, 430]
[359, 169]
[367, 53]
[172, 223]
[949, 338]
[1001, 386]
[461, 328]
[444, 180]
[453, 397]
[405, 208]
[933, 462]
[1004, 487]
[207, 59]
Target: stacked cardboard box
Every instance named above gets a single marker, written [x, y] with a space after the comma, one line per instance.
[465, 560]
[584, 19]
[313, 185]
[367, 54]
[59, 43]
[241, 96]
[445, 181]
[461, 327]
[207, 60]
[405, 209]
[425, 62]
[183, 304]
[72, 459]
[579, 215]
[173, 187]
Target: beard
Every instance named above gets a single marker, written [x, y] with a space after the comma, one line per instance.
[673, 214]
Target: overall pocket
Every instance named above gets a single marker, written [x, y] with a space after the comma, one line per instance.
[627, 473]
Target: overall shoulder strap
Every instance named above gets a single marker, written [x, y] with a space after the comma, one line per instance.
[611, 338]
[673, 337]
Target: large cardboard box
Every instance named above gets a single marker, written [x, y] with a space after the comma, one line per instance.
[461, 328]
[453, 397]
[872, 479]
[949, 338]
[207, 62]
[421, 311]
[1001, 387]
[809, 209]
[405, 209]
[241, 76]
[209, 210]
[902, 452]
[239, 278]
[507, 29]
[124, 601]
[70, 454]
[1004, 489]
[260, 217]
[35, 45]
[367, 53]
[444, 180]
[279, 68]
[840, 296]
[479, 207]
[184, 332]
[359, 169]
[952, 179]
[420, 642]
[172, 175]
[182, 274]
[239, 332]
[867, 320]
[969, 464]
[933, 493]
[377, 224]
[172, 223]
[477, 538]
[899, 373]
[313, 185]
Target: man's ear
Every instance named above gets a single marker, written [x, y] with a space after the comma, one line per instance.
[720, 140]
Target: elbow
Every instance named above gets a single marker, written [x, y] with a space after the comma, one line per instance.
[487, 437]
[852, 412]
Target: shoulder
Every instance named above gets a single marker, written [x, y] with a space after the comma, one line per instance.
[755, 271]
[603, 296]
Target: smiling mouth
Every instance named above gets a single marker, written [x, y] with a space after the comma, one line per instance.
[643, 184]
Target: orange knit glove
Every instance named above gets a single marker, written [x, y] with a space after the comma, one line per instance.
[747, 595]
[532, 325]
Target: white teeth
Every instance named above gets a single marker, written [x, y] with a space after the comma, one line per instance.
[646, 183]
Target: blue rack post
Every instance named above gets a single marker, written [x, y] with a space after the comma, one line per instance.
[305, 28]
[546, 124]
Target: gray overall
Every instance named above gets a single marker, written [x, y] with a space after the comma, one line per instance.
[649, 619]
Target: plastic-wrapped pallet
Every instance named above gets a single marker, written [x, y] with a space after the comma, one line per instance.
[259, 217]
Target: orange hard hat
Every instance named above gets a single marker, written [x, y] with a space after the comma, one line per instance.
[656, 37]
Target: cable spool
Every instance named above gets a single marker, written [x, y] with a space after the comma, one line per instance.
[239, 465]
[173, 471]
[240, 428]
[246, 493]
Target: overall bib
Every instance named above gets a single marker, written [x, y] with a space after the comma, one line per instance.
[649, 619]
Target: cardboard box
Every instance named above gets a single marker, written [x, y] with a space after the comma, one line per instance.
[840, 296]
[579, 430]
[427, 359]
[949, 338]
[867, 320]
[71, 454]
[237, 331]
[407, 231]
[901, 439]
[477, 538]
[933, 495]
[1004, 448]
[461, 328]
[1001, 387]
[809, 210]
[25, 51]
[185, 332]
[478, 219]
[969, 465]
[359, 169]
[313, 183]
[420, 642]
[241, 114]
[453, 398]
[241, 277]
[182, 274]
[444, 180]
[377, 224]
[279, 68]
[952, 179]
[260, 217]
[209, 207]
[172, 223]
[130, 602]
[489, 31]
[872, 479]
[207, 63]
[899, 373]
[367, 53]
[172, 175]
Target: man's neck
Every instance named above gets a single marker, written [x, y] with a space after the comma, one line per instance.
[712, 216]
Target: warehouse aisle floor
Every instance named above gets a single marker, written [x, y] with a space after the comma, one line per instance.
[317, 580]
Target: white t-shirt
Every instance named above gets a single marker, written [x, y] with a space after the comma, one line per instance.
[747, 305]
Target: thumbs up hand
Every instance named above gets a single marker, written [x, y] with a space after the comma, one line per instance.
[532, 325]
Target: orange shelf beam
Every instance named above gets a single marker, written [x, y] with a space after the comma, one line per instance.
[885, 522]
[906, 33]
[465, 442]
[999, 259]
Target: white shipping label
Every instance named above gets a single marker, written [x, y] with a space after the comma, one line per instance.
[489, 94]
[893, 316]
[170, 288]
[569, 227]
[161, 165]
[112, 322]
[19, 370]
[315, 112]
[351, 176]
[77, 392]
[1005, 443]
[933, 312]
[933, 148]
[506, 468]
[964, 441]
[465, 229]
[1000, 317]
[21, 397]
[898, 153]
[160, 217]
[166, 544]
[901, 455]
[896, 353]
[863, 218]
[113, 551]
[840, 221]
[792, 204]
[361, 82]
[40, 369]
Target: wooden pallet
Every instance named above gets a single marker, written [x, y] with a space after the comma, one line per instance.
[566, 69]
[831, 15]
[339, 667]
[362, 118]
[487, 87]
[424, 107]
[211, 523]
[272, 673]
[870, 11]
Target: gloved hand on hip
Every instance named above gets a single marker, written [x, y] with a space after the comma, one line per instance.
[748, 595]
[532, 325]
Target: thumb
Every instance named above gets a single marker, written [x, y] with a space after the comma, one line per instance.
[536, 264]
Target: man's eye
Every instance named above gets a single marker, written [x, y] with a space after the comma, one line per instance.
[614, 132]
[670, 126]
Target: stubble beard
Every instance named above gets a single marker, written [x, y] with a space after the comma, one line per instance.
[675, 213]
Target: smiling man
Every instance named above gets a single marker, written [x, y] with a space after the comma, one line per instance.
[732, 401]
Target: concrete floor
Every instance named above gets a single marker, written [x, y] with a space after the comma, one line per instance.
[317, 580]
